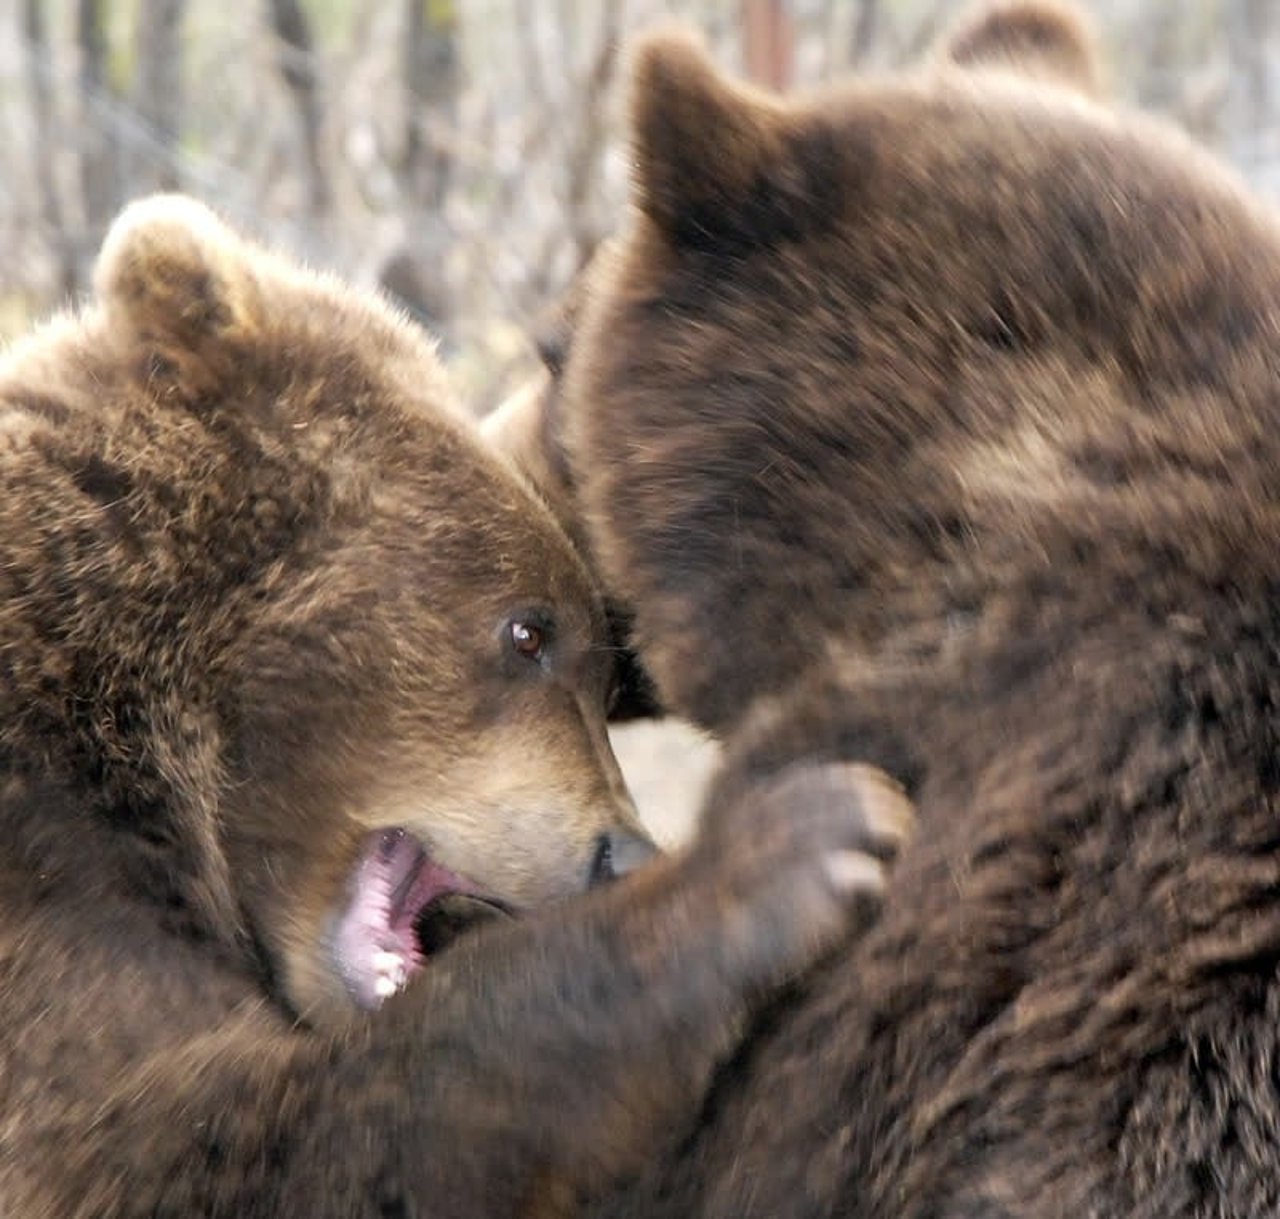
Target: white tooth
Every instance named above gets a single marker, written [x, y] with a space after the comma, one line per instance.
[385, 987]
[388, 962]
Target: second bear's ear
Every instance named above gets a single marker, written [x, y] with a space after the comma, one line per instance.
[174, 278]
[1038, 38]
[715, 162]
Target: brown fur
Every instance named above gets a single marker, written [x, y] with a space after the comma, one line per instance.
[932, 421]
[254, 581]
[526, 429]
[1044, 38]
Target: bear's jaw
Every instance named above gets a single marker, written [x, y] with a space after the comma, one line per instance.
[378, 943]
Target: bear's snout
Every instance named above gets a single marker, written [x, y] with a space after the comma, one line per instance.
[617, 853]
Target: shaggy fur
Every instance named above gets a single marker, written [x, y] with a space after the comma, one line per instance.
[258, 584]
[932, 421]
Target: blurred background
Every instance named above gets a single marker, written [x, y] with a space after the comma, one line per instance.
[466, 154]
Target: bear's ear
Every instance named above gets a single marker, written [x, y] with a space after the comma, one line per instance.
[714, 161]
[1044, 39]
[172, 276]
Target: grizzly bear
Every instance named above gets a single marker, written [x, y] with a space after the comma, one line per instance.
[298, 680]
[933, 421]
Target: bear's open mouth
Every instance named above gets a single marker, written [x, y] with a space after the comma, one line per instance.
[404, 907]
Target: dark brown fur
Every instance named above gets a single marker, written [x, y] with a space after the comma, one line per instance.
[254, 579]
[933, 421]
[526, 428]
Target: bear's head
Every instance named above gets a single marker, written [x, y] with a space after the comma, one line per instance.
[808, 379]
[322, 662]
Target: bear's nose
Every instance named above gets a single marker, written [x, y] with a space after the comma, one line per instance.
[617, 853]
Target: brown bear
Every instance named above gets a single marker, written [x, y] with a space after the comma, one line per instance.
[297, 680]
[933, 421]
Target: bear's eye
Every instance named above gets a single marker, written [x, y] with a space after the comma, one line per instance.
[528, 639]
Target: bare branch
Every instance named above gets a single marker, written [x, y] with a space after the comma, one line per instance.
[297, 65]
[431, 87]
[157, 94]
[768, 42]
[40, 69]
[864, 31]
